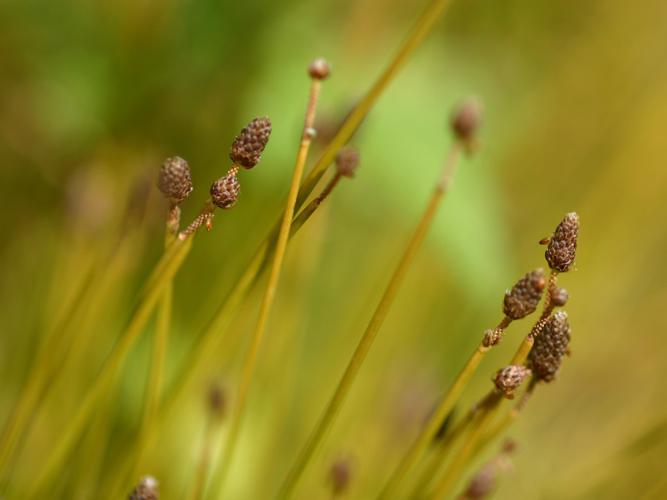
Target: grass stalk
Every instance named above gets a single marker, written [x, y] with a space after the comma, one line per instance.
[160, 277]
[331, 411]
[250, 361]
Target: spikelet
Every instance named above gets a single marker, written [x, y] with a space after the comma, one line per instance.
[225, 191]
[562, 247]
[347, 161]
[175, 180]
[525, 295]
[147, 489]
[249, 145]
[509, 379]
[550, 347]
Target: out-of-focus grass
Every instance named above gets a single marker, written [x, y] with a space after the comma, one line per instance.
[94, 96]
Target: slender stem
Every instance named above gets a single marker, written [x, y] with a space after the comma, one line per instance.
[366, 341]
[199, 482]
[161, 276]
[269, 294]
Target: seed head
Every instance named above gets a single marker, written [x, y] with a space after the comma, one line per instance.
[559, 297]
[217, 400]
[563, 244]
[340, 475]
[225, 190]
[249, 145]
[483, 484]
[347, 161]
[550, 347]
[147, 489]
[319, 69]
[509, 379]
[174, 179]
[466, 120]
[525, 295]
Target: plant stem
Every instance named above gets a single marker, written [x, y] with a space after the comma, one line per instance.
[366, 341]
[159, 278]
[269, 294]
[204, 460]
[429, 431]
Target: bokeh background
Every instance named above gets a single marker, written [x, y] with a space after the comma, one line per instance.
[94, 95]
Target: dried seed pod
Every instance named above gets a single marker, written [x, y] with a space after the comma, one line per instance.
[550, 347]
[319, 69]
[466, 120]
[525, 295]
[249, 145]
[340, 475]
[559, 297]
[347, 161]
[562, 247]
[225, 191]
[509, 379]
[174, 179]
[147, 489]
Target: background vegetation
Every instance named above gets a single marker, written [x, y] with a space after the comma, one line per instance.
[94, 95]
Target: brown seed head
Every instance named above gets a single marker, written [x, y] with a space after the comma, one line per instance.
[225, 190]
[559, 297]
[147, 489]
[466, 120]
[509, 379]
[563, 245]
[217, 400]
[319, 69]
[525, 295]
[483, 484]
[249, 145]
[347, 161]
[340, 475]
[174, 179]
[550, 347]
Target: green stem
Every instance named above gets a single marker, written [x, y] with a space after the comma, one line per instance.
[160, 277]
[250, 361]
[366, 341]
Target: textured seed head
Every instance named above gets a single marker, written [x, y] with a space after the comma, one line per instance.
[509, 379]
[225, 190]
[466, 120]
[319, 69]
[550, 347]
[559, 297]
[563, 244]
[248, 146]
[217, 400]
[147, 489]
[525, 295]
[340, 475]
[347, 161]
[174, 179]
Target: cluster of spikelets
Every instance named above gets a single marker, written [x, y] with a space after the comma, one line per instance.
[550, 336]
[175, 178]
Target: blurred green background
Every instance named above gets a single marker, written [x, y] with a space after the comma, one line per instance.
[94, 95]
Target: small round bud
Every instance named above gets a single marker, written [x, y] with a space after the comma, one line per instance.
[225, 191]
[174, 179]
[147, 489]
[562, 247]
[525, 295]
[550, 347]
[466, 120]
[340, 475]
[249, 145]
[492, 337]
[347, 161]
[319, 69]
[509, 379]
[559, 297]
